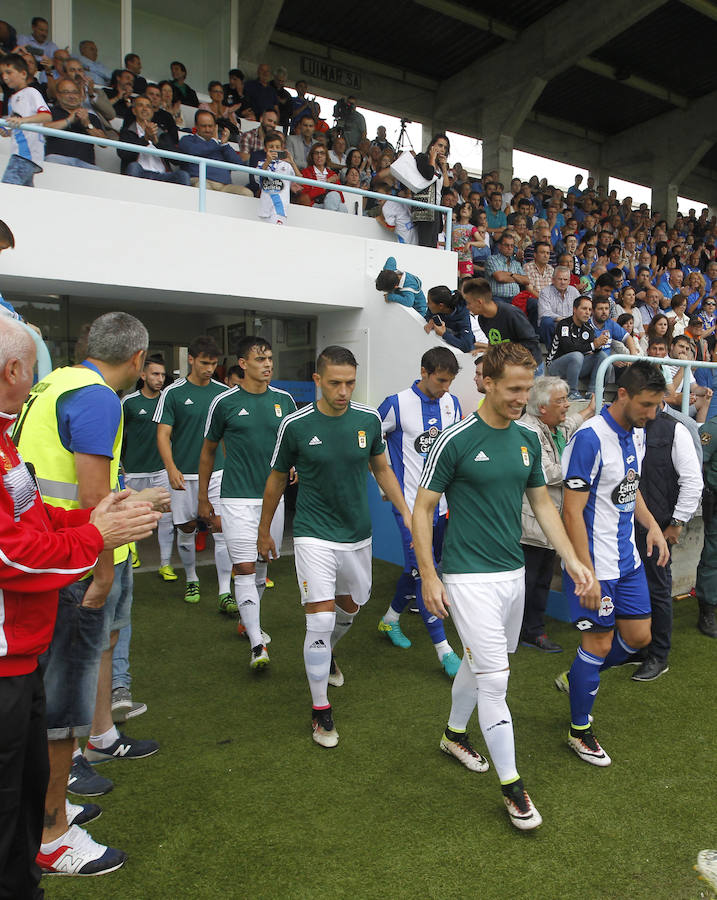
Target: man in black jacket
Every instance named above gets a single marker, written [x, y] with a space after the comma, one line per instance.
[500, 321]
[144, 132]
[447, 316]
[576, 352]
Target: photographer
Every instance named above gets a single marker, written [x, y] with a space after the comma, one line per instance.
[433, 166]
[350, 121]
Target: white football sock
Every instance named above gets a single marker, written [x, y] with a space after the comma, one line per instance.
[249, 608]
[496, 723]
[344, 621]
[464, 697]
[188, 554]
[223, 563]
[317, 655]
[441, 648]
[165, 535]
[260, 578]
[391, 616]
[51, 846]
[103, 741]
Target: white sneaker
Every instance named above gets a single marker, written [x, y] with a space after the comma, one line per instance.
[707, 867]
[336, 676]
[587, 747]
[523, 815]
[79, 854]
[259, 658]
[464, 753]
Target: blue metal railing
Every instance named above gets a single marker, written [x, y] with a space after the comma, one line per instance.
[202, 163]
[664, 361]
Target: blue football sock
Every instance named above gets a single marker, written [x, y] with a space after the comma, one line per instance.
[433, 624]
[619, 652]
[404, 591]
[584, 678]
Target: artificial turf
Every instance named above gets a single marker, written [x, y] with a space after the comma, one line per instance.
[240, 803]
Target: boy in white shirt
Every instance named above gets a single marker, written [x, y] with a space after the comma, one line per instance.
[26, 104]
[274, 198]
[396, 217]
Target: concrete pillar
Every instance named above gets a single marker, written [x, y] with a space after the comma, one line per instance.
[61, 26]
[126, 39]
[664, 200]
[601, 174]
[498, 154]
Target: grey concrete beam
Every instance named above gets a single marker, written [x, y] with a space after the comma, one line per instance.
[258, 20]
[572, 147]
[633, 81]
[545, 49]
[704, 7]
[470, 17]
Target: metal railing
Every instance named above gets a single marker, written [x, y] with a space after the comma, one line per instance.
[664, 361]
[202, 163]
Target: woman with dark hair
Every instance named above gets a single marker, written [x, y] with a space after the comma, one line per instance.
[171, 102]
[225, 115]
[356, 160]
[432, 166]
[317, 170]
[661, 327]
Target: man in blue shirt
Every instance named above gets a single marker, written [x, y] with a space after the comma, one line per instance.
[208, 144]
[495, 216]
[260, 93]
[504, 273]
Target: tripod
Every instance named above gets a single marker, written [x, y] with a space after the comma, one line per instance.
[403, 137]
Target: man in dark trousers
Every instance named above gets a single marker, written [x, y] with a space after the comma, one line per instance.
[671, 486]
[707, 569]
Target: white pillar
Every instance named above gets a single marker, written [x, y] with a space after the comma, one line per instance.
[61, 15]
[125, 28]
[233, 33]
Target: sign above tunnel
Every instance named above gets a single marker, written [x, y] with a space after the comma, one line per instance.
[328, 71]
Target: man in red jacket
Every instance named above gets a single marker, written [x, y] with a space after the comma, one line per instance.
[42, 549]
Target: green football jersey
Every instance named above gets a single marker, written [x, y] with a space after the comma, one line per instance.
[184, 406]
[331, 455]
[483, 472]
[247, 423]
[140, 455]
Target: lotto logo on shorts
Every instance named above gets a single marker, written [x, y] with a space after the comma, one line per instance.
[606, 606]
[524, 454]
[305, 587]
[362, 440]
[277, 410]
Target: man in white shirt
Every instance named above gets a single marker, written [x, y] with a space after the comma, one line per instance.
[144, 132]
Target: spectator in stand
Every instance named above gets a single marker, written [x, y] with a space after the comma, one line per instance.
[356, 205]
[274, 196]
[225, 115]
[677, 314]
[627, 306]
[253, 140]
[38, 41]
[652, 305]
[496, 218]
[695, 286]
[119, 93]
[658, 329]
[671, 282]
[68, 114]
[164, 119]
[448, 317]
[432, 166]
[641, 284]
[8, 38]
[171, 102]
[381, 141]
[709, 320]
[354, 124]
[260, 92]
[541, 235]
[464, 239]
[93, 99]
[133, 64]
[504, 273]
[700, 397]
[50, 74]
[187, 95]
[300, 143]
[602, 323]
[555, 302]
[546, 415]
[575, 190]
[316, 169]
[26, 104]
[144, 132]
[283, 96]
[301, 106]
[337, 153]
[539, 270]
[396, 217]
[575, 352]
[99, 73]
[209, 144]
[500, 322]
[401, 287]
[234, 88]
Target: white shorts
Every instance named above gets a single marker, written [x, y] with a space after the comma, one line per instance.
[240, 527]
[152, 480]
[324, 571]
[488, 616]
[185, 503]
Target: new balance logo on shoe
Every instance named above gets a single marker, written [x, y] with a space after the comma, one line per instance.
[189, 402]
[122, 750]
[143, 412]
[481, 457]
[315, 441]
[242, 412]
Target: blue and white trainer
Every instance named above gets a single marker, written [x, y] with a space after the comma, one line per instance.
[79, 854]
[123, 748]
[85, 781]
[81, 813]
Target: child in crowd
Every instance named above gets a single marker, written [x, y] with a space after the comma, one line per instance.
[448, 317]
[463, 239]
[26, 104]
[274, 197]
[396, 217]
[401, 287]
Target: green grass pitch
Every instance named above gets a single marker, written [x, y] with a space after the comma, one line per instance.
[240, 803]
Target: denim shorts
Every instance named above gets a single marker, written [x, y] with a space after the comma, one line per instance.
[71, 663]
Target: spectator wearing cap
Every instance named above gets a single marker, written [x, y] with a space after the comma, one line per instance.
[209, 144]
[187, 95]
[261, 93]
[555, 302]
[88, 52]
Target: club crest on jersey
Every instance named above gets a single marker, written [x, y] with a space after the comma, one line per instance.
[524, 454]
[624, 496]
[606, 606]
[305, 588]
[424, 441]
[277, 410]
[362, 439]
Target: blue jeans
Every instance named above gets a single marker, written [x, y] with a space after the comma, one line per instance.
[576, 365]
[70, 161]
[20, 171]
[546, 330]
[120, 659]
[178, 177]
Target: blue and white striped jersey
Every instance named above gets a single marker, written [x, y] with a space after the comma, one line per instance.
[411, 422]
[606, 460]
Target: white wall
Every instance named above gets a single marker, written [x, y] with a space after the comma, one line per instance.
[98, 21]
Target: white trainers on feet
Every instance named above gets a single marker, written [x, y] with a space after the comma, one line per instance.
[79, 854]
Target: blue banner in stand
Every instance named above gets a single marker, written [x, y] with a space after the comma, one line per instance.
[301, 391]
